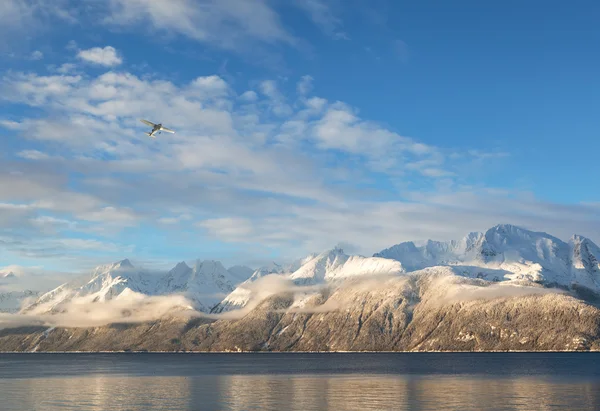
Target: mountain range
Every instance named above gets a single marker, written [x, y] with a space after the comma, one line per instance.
[505, 262]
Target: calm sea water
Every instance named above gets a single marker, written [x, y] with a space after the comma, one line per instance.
[268, 381]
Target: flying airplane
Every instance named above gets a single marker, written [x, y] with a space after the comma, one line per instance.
[156, 127]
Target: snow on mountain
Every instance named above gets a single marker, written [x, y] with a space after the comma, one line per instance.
[11, 271]
[585, 261]
[107, 282]
[240, 272]
[275, 268]
[206, 284]
[334, 265]
[11, 301]
[329, 266]
[507, 252]
[239, 297]
[111, 280]
[433, 253]
[502, 253]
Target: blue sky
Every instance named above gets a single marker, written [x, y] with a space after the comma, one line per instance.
[300, 125]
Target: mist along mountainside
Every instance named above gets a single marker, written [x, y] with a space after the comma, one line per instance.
[505, 289]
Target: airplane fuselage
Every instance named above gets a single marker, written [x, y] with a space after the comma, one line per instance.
[155, 129]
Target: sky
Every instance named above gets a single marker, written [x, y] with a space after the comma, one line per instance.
[300, 125]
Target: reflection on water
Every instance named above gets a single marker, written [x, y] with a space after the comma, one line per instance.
[296, 392]
[300, 382]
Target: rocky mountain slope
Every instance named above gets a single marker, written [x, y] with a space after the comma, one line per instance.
[429, 310]
[328, 267]
[241, 295]
[505, 289]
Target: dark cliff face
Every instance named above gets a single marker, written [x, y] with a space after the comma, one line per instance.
[394, 314]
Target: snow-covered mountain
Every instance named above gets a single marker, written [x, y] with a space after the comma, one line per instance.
[107, 282]
[240, 272]
[239, 297]
[334, 265]
[328, 267]
[18, 286]
[11, 301]
[508, 252]
[502, 253]
[11, 272]
[433, 253]
[204, 285]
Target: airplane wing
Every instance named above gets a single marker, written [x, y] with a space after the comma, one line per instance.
[148, 123]
[168, 130]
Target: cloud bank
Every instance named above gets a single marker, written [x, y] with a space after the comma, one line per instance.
[80, 312]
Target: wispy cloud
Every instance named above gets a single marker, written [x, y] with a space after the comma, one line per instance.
[32, 15]
[36, 55]
[322, 14]
[305, 85]
[224, 23]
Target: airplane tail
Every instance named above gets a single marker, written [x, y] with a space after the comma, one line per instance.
[150, 135]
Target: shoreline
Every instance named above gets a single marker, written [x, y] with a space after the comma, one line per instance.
[305, 352]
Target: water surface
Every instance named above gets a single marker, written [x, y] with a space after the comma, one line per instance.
[297, 381]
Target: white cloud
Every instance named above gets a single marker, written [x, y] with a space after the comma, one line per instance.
[372, 226]
[51, 224]
[12, 125]
[35, 278]
[229, 229]
[249, 96]
[227, 24]
[176, 219]
[305, 85]
[66, 68]
[33, 155]
[34, 194]
[15, 13]
[33, 15]
[82, 312]
[37, 55]
[210, 86]
[106, 56]
[37, 90]
[87, 244]
[322, 15]
[278, 105]
[341, 129]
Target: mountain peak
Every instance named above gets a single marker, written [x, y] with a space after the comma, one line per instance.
[182, 265]
[507, 228]
[334, 252]
[208, 265]
[180, 269]
[123, 264]
[511, 234]
[579, 239]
